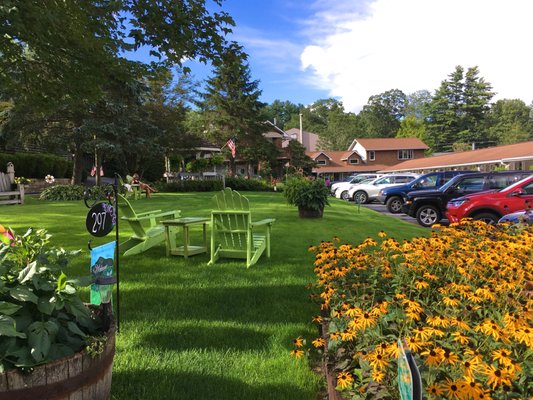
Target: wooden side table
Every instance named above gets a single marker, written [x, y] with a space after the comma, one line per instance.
[186, 249]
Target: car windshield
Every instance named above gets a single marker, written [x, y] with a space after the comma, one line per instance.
[450, 183]
[369, 180]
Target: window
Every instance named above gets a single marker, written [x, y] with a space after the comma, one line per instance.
[471, 184]
[371, 155]
[354, 161]
[405, 154]
[528, 188]
[321, 162]
[403, 179]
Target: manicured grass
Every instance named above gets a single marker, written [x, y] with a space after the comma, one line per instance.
[190, 331]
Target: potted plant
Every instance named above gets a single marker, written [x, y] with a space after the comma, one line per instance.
[309, 195]
[52, 345]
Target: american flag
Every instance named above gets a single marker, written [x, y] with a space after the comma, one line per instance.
[231, 145]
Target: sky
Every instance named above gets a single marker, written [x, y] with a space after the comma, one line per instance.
[303, 51]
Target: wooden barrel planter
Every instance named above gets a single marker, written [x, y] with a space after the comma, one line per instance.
[79, 377]
[309, 213]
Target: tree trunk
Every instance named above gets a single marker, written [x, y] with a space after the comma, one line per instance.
[77, 167]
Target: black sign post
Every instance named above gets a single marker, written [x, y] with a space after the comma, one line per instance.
[101, 219]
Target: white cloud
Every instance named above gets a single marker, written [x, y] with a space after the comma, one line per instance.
[415, 44]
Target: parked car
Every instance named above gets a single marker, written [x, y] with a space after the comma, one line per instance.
[491, 206]
[368, 191]
[340, 189]
[519, 217]
[429, 206]
[393, 196]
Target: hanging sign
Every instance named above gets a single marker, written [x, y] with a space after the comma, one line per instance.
[102, 262]
[409, 379]
[101, 219]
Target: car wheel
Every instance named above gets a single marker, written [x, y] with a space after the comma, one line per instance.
[360, 197]
[394, 204]
[428, 215]
[487, 217]
[345, 195]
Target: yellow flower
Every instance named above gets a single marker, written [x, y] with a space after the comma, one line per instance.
[378, 360]
[297, 353]
[450, 301]
[434, 390]
[450, 357]
[420, 284]
[497, 377]
[319, 342]
[434, 356]
[317, 319]
[344, 380]
[298, 342]
[461, 338]
[502, 356]
[452, 389]
[471, 388]
[377, 375]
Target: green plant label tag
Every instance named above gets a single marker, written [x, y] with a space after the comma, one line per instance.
[102, 262]
[409, 380]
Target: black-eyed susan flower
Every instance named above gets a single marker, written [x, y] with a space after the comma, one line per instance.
[497, 377]
[433, 357]
[319, 342]
[298, 342]
[344, 380]
[452, 389]
[297, 353]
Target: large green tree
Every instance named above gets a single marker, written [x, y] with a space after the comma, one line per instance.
[382, 115]
[281, 112]
[458, 110]
[231, 108]
[510, 121]
[66, 57]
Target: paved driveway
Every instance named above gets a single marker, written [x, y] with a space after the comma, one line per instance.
[383, 209]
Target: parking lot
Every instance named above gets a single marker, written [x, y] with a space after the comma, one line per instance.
[376, 206]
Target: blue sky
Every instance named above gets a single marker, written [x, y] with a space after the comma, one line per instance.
[303, 51]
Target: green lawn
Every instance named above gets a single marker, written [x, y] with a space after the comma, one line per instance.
[190, 331]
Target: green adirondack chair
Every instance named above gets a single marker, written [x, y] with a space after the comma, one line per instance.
[233, 234]
[143, 238]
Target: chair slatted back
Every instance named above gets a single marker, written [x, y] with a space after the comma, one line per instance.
[5, 183]
[128, 213]
[232, 219]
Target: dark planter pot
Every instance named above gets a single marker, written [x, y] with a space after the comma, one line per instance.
[77, 377]
[308, 213]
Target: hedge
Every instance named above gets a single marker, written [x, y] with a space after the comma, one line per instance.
[241, 184]
[31, 165]
[191, 186]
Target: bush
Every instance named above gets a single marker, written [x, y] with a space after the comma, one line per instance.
[309, 194]
[251, 185]
[41, 315]
[73, 192]
[37, 165]
[191, 186]
[460, 301]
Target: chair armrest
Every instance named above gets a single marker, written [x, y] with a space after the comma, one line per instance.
[151, 215]
[267, 221]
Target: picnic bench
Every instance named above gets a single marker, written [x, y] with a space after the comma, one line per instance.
[7, 194]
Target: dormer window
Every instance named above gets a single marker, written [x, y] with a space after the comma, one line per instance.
[372, 155]
[354, 161]
[321, 162]
[405, 154]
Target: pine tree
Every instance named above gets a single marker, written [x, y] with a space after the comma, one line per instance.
[458, 110]
[231, 108]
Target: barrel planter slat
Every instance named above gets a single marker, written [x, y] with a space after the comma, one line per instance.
[79, 377]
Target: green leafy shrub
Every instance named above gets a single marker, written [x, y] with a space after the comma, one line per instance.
[241, 184]
[42, 317]
[191, 186]
[305, 193]
[73, 192]
[37, 165]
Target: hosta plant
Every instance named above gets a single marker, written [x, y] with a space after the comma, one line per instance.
[42, 317]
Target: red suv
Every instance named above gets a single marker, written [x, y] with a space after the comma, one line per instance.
[491, 206]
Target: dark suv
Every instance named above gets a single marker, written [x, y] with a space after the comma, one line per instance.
[393, 196]
[429, 206]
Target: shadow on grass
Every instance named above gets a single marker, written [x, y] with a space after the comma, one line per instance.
[133, 385]
[254, 304]
[216, 338]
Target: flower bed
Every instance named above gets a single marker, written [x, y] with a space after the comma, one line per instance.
[456, 299]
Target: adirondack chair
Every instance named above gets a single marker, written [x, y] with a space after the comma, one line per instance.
[233, 234]
[143, 238]
[7, 194]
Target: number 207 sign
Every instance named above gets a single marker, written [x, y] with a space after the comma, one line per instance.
[101, 219]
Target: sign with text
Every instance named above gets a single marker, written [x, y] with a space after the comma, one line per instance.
[101, 219]
[102, 262]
